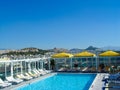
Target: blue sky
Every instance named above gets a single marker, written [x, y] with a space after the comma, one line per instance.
[59, 23]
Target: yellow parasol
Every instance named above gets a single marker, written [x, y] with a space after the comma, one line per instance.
[109, 53]
[84, 54]
[62, 55]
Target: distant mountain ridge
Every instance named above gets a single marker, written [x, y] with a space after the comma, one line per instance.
[95, 49]
[115, 48]
[58, 50]
[91, 48]
[75, 50]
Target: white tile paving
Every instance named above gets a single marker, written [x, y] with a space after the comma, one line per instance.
[98, 83]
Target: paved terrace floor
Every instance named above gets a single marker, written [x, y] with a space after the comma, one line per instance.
[98, 83]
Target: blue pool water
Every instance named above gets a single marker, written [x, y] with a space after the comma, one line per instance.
[62, 82]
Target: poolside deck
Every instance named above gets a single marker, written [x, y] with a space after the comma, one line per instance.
[98, 83]
[13, 87]
[112, 84]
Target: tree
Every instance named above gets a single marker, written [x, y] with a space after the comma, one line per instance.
[52, 64]
[102, 67]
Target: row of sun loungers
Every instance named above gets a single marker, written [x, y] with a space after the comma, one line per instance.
[83, 69]
[23, 77]
[114, 78]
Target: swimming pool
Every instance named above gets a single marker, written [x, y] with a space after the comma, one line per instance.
[62, 82]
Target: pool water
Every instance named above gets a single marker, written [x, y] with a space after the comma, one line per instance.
[62, 82]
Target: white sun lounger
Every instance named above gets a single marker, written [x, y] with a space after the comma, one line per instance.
[4, 84]
[47, 71]
[37, 73]
[34, 75]
[29, 77]
[12, 80]
[42, 71]
[24, 78]
[18, 79]
[35, 70]
[84, 69]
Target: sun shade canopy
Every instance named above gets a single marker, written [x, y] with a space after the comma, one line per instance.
[109, 53]
[62, 55]
[84, 54]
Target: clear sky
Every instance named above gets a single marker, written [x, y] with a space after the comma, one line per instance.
[59, 23]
